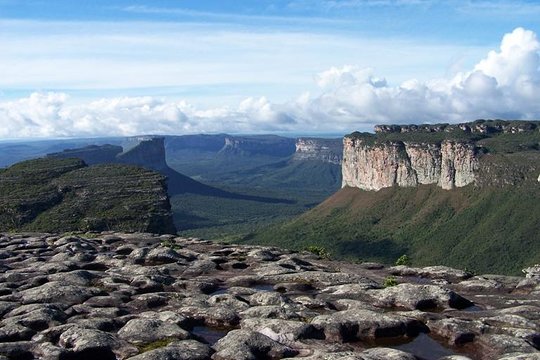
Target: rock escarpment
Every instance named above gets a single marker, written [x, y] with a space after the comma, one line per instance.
[449, 156]
[325, 150]
[148, 153]
[370, 166]
[269, 145]
[145, 151]
[145, 297]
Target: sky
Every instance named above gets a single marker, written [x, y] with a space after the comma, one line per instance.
[101, 68]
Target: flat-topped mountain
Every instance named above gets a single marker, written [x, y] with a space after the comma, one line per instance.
[140, 296]
[65, 195]
[449, 156]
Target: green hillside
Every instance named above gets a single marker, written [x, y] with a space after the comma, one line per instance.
[57, 195]
[494, 227]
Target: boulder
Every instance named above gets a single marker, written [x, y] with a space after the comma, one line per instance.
[250, 345]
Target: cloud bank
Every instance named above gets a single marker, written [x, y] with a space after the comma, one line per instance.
[505, 84]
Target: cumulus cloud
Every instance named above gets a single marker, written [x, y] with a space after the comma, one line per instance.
[52, 115]
[505, 84]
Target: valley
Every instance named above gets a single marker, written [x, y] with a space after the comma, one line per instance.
[462, 195]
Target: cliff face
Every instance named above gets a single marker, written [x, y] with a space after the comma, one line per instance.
[145, 151]
[261, 145]
[325, 150]
[148, 153]
[369, 166]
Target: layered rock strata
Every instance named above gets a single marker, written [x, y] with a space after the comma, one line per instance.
[373, 166]
[146, 297]
[325, 150]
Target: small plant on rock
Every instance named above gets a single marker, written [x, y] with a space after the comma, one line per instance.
[319, 251]
[154, 345]
[170, 244]
[390, 281]
[403, 260]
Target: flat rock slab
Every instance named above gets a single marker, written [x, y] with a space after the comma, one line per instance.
[144, 297]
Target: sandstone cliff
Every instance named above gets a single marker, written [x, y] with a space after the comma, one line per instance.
[450, 156]
[368, 166]
[325, 150]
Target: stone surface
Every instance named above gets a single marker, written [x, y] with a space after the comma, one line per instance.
[249, 345]
[86, 297]
[412, 296]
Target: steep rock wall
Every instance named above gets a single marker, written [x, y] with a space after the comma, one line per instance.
[266, 145]
[373, 166]
[325, 150]
[148, 153]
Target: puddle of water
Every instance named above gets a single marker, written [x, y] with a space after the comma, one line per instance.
[208, 334]
[473, 308]
[263, 287]
[417, 280]
[424, 348]
[219, 291]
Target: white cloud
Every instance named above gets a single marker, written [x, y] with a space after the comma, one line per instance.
[505, 84]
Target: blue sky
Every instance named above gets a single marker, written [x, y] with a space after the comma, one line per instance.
[74, 67]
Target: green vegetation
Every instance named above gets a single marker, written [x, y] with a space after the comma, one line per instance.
[61, 195]
[154, 345]
[525, 135]
[319, 251]
[403, 260]
[229, 220]
[170, 244]
[492, 228]
[389, 281]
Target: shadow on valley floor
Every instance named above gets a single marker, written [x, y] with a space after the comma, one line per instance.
[181, 184]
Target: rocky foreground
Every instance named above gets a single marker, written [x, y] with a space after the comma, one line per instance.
[145, 297]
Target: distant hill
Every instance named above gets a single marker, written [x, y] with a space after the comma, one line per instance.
[462, 195]
[58, 195]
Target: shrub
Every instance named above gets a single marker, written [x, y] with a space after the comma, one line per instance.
[390, 281]
[319, 251]
[403, 260]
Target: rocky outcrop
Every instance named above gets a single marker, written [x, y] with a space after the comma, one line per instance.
[475, 127]
[373, 166]
[114, 295]
[325, 150]
[145, 151]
